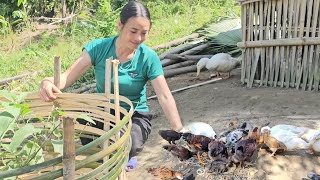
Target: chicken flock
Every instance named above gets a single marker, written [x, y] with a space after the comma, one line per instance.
[238, 146]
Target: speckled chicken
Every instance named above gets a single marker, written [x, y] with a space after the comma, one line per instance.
[197, 142]
[165, 173]
[179, 151]
[170, 135]
[217, 151]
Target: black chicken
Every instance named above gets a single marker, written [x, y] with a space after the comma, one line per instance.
[197, 142]
[217, 151]
[170, 135]
[179, 151]
[244, 149]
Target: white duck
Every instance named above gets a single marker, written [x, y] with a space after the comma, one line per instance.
[220, 63]
[200, 128]
[291, 140]
[312, 136]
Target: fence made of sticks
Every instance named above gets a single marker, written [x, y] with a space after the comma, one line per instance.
[280, 42]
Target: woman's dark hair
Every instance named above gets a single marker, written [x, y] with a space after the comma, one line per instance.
[134, 9]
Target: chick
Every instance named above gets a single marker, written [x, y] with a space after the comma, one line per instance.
[273, 144]
[170, 135]
[165, 173]
[217, 151]
[179, 151]
[244, 150]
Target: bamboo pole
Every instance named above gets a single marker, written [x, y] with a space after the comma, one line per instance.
[182, 70]
[178, 65]
[189, 87]
[289, 48]
[267, 37]
[261, 36]
[301, 41]
[244, 27]
[183, 47]
[69, 152]
[278, 36]
[283, 57]
[176, 41]
[68, 157]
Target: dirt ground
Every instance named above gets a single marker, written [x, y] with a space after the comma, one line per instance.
[221, 101]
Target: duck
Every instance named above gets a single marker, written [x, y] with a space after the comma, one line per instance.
[311, 136]
[289, 139]
[200, 128]
[220, 63]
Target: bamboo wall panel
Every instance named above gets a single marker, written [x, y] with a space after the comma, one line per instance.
[281, 44]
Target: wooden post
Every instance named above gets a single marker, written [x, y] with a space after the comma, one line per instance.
[68, 149]
[68, 133]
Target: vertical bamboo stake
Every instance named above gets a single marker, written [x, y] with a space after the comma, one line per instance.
[68, 133]
[57, 71]
[115, 63]
[244, 28]
[68, 149]
[107, 89]
[116, 92]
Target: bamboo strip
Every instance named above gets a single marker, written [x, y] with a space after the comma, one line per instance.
[272, 36]
[107, 90]
[283, 58]
[316, 75]
[244, 27]
[277, 36]
[295, 35]
[256, 57]
[301, 41]
[312, 48]
[262, 33]
[304, 70]
[250, 38]
[267, 37]
[289, 48]
[300, 48]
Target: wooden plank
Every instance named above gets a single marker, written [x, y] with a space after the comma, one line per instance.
[312, 61]
[278, 36]
[267, 37]
[305, 70]
[107, 91]
[289, 48]
[301, 33]
[283, 58]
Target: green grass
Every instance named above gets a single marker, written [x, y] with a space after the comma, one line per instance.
[170, 21]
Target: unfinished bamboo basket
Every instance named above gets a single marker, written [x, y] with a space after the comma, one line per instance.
[280, 42]
[112, 144]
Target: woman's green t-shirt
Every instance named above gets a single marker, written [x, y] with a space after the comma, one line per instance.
[133, 75]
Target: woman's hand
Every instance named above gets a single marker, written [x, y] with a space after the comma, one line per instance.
[46, 90]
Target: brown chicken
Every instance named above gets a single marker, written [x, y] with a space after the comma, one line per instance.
[197, 142]
[273, 144]
[179, 151]
[217, 151]
[170, 135]
[165, 173]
